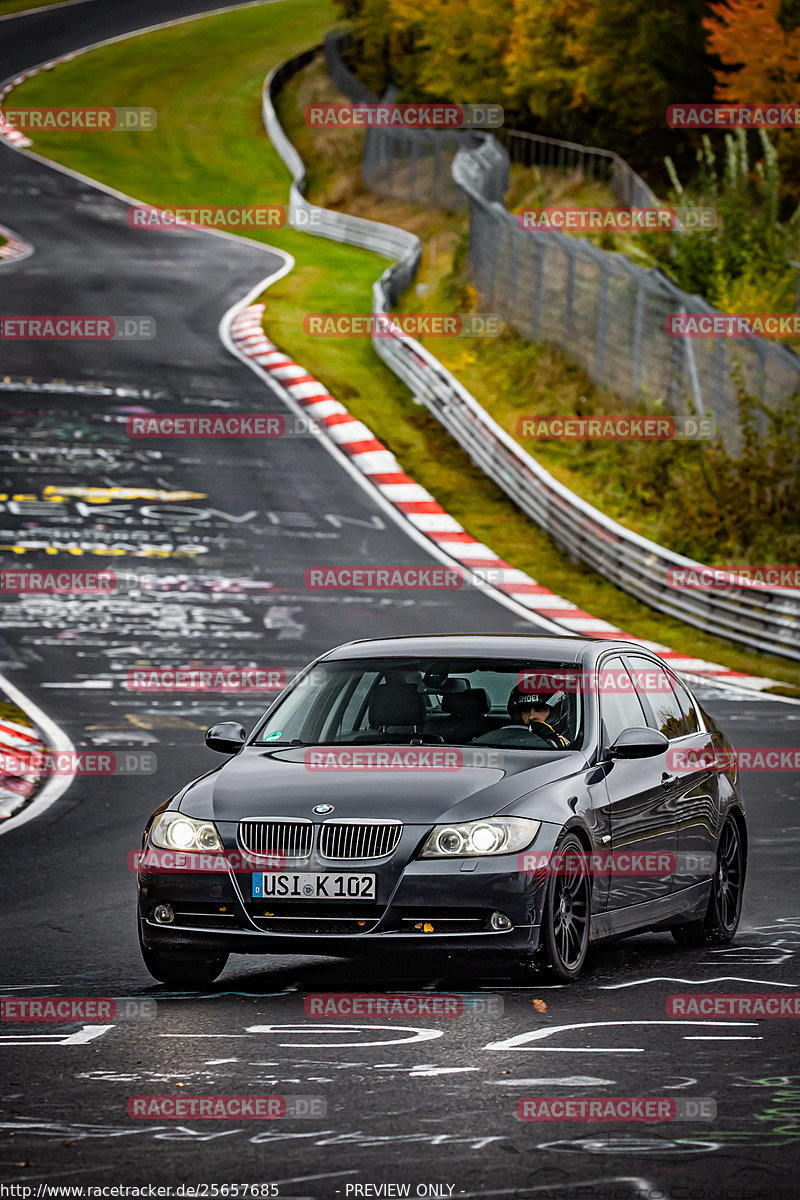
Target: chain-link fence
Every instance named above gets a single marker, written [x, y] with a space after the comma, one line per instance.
[606, 312]
[336, 44]
[610, 315]
[415, 165]
[589, 162]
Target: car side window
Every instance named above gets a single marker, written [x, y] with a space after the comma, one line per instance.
[660, 702]
[620, 708]
[687, 706]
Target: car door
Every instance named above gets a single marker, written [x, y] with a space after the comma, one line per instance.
[641, 808]
[691, 760]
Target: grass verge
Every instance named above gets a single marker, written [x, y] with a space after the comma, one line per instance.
[7, 7]
[204, 78]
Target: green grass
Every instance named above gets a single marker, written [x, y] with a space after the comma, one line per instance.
[9, 711]
[205, 78]
[15, 6]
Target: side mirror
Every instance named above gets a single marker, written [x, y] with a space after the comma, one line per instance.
[226, 738]
[638, 743]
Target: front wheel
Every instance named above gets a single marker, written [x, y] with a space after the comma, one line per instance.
[566, 916]
[188, 972]
[721, 920]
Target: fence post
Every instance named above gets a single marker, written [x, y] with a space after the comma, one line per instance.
[761, 381]
[720, 380]
[638, 337]
[694, 377]
[538, 272]
[413, 167]
[442, 186]
[675, 370]
[514, 242]
[569, 293]
[602, 325]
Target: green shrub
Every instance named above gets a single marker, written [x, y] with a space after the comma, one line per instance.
[742, 264]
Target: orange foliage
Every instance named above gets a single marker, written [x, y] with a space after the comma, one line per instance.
[747, 36]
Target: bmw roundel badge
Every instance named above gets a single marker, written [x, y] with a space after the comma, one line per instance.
[322, 808]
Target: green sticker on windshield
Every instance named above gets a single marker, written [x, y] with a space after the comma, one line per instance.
[274, 737]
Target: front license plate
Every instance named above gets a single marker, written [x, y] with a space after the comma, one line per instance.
[307, 885]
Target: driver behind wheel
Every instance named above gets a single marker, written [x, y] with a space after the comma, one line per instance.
[532, 710]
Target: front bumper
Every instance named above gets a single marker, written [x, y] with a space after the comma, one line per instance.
[439, 905]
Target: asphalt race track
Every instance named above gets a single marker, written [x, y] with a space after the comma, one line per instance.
[429, 1104]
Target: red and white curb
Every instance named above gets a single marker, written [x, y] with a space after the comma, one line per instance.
[14, 248]
[18, 810]
[16, 787]
[426, 515]
[9, 132]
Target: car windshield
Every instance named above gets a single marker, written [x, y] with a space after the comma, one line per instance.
[491, 702]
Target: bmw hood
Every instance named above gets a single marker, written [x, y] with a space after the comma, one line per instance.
[409, 784]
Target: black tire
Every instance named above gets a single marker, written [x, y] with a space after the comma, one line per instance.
[721, 920]
[566, 917]
[185, 971]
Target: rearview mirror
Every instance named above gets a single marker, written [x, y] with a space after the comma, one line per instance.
[225, 738]
[638, 743]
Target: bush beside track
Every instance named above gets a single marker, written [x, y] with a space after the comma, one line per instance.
[216, 153]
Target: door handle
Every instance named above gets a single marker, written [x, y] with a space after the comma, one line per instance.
[667, 780]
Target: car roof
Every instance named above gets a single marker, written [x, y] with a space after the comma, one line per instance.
[463, 645]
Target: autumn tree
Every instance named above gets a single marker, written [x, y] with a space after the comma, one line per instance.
[540, 71]
[758, 43]
[600, 71]
[634, 59]
[458, 47]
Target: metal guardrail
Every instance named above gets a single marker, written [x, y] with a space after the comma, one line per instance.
[766, 619]
[386, 240]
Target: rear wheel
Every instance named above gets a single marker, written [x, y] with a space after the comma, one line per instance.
[566, 915]
[188, 972]
[721, 920]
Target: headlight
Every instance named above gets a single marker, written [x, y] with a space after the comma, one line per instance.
[174, 831]
[497, 835]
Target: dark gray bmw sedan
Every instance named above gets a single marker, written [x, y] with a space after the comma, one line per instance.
[513, 796]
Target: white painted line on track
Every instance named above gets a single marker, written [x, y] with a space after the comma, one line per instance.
[78, 1037]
